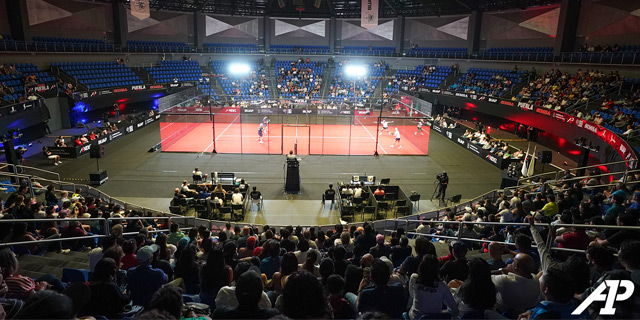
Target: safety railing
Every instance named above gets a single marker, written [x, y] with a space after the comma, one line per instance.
[28, 170]
[556, 174]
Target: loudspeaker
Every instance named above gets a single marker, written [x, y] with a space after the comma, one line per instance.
[96, 152]
[98, 178]
[545, 156]
[10, 152]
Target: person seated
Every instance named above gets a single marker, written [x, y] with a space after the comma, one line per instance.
[188, 191]
[379, 191]
[376, 295]
[197, 172]
[237, 197]
[204, 193]
[51, 156]
[428, 292]
[219, 189]
[330, 193]
[83, 139]
[249, 295]
[255, 194]
[77, 142]
[291, 156]
[517, 288]
[60, 142]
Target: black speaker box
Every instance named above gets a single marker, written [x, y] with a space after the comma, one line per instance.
[98, 178]
[96, 152]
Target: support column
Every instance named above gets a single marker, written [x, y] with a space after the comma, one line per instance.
[120, 30]
[399, 32]
[266, 32]
[199, 28]
[18, 20]
[473, 33]
[567, 26]
[332, 34]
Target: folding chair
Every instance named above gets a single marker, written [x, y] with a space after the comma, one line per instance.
[225, 210]
[455, 199]
[415, 198]
[348, 211]
[369, 210]
[235, 208]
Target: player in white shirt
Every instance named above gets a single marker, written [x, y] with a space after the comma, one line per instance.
[419, 129]
[397, 140]
[385, 126]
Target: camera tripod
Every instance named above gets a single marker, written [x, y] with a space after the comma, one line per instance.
[436, 190]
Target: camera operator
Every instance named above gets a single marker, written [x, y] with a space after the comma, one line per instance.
[443, 182]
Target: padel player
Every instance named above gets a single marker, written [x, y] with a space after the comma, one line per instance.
[419, 129]
[261, 129]
[397, 140]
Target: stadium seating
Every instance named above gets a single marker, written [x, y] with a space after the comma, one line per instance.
[456, 53]
[308, 77]
[16, 81]
[368, 51]
[157, 46]
[420, 77]
[493, 82]
[242, 87]
[167, 71]
[342, 87]
[518, 54]
[98, 75]
[278, 48]
[231, 47]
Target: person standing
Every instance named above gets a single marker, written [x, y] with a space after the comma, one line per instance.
[397, 140]
[443, 183]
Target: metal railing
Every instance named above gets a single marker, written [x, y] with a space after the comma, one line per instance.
[555, 175]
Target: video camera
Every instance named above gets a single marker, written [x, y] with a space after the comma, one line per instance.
[442, 177]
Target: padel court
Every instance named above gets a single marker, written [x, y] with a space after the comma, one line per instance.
[304, 134]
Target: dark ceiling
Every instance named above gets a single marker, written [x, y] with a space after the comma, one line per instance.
[339, 8]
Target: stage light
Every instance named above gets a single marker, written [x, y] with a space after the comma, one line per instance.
[239, 68]
[355, 71]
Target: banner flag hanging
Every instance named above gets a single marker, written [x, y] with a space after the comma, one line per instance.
[140, 9]
[369, 14]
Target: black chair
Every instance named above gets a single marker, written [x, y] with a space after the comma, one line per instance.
[215, 209]
[326, 196]
[365, 196]
[176, 210]
[225, 210]
[238, 207]
[385, 181]
[358, 203]
[455, 199]
[218, 195]
[415, 198]
[348, 211]
[197, 178]
[402, 210]
[379, 197]
[401, 203]
[228, 197]
[201, 211]
[369, 210]
[382, 206]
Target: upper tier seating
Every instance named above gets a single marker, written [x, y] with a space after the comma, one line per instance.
[437, 52]
[493, 82]
[231, 47]
[97, 75]
[279, 48]
[299, 79]
[420, 77]
[518, 53]
[368, 51]
[168, 71]
[157, 46]
[242, 87]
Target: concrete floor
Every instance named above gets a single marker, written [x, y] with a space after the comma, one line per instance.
[148, 179]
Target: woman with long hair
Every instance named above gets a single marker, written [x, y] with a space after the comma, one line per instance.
[288, 265]
[428, 292]
[477, 293]
[163, 248]
[187, 269]
[106, 299]
[311, 263]
[214, 275]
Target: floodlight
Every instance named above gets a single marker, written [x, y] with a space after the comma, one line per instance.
[355, 71]
[239, 68]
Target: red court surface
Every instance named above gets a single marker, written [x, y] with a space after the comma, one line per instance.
[279, 139]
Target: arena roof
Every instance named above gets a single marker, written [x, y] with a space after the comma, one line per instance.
[338, 8]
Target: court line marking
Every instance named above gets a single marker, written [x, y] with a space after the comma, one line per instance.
[218, 137]
[374, 139]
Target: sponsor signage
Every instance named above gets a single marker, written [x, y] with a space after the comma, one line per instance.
[103, 140]
[618, 144]
[20, 107]
[473, 148]
[436, 128]
[118, 90]
[138, 87]
[115, 135]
